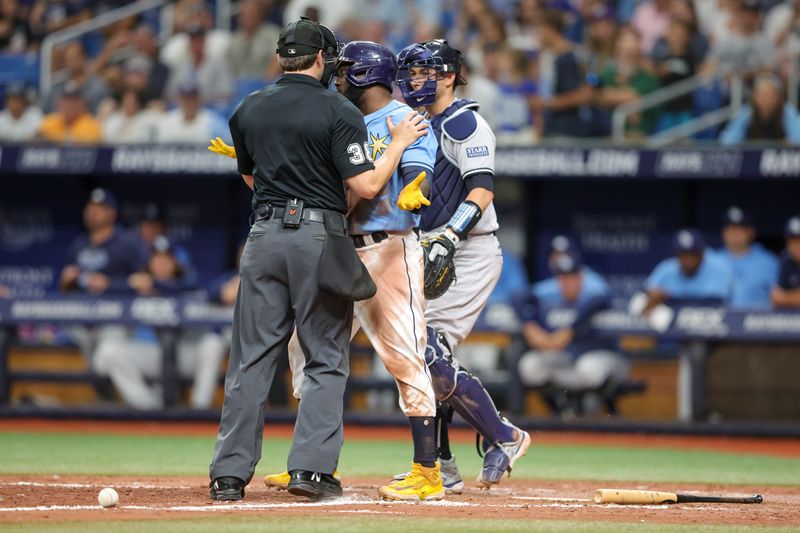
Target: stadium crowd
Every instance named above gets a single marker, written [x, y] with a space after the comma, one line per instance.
[541, 69]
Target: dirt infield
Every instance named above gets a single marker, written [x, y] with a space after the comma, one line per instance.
[53, 498]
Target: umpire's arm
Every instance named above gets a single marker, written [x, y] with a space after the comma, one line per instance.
[244, 160]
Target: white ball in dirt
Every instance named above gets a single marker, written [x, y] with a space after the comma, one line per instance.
[108, 497]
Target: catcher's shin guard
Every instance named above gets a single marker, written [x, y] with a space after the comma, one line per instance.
[463, 392]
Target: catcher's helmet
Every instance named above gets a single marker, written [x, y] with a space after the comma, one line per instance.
[370, 63]
[416, 55]
[451, 58]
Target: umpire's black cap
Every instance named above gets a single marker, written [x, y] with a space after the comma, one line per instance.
[305, 37]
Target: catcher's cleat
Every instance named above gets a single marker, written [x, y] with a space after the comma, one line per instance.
[421, 484]
[451, 477]
[227, 489]
[281, 481]
[499, 458]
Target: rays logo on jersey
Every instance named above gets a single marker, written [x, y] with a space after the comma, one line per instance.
[381, 212]
[377, 146]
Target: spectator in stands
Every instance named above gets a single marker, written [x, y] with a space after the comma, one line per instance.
[48, 16]
[137, 71]
[556, 316]
[464, 28]
[146, 43]
[509, 69]
[674, 62]
[250, 52]
[332, 13]
[20, 120]
[72, 123]
[130, 124]
[101, 260]
[521, 30]
[176, 52]
[781, 23]
[93, 89]
[786, 292]
[491, 34]
[566, 108]
[746, 49]
[755, 269]
[153, 226]
[14, 31]
[601, 31]
[190, 122]
[482, 90]
[684, 11]
[694, 274]
[769, 117]
[212, 75]
[130, 361]
[651, 21]
[627, 79]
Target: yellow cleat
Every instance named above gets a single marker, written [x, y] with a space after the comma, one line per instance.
[420, 484]
[278, 481]
[281, 481]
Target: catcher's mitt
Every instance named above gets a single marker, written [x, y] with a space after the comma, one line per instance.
[440, 271]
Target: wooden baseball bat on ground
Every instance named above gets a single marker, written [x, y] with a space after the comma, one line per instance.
[650, 497]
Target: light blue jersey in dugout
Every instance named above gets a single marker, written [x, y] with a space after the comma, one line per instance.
[381, 213]
[755, 274]
[713, 280]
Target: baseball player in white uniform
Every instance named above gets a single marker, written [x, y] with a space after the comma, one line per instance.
[461, 221]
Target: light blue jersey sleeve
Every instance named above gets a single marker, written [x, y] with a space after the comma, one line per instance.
[714, 279]
[420, 154]
[381, 213]
[661, 275]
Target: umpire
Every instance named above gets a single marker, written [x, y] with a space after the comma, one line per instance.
[297, 145]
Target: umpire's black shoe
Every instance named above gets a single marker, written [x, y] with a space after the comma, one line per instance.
[314, 485]
[227, 489]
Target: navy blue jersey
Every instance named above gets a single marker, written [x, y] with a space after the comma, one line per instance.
[789, 275]
[118, 257]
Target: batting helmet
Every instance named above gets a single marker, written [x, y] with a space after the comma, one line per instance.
[417, 56]
[370, 63]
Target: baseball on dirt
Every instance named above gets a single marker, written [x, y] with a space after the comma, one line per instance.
[108, 497]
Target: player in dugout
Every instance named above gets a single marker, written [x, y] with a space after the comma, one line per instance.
[786, 293]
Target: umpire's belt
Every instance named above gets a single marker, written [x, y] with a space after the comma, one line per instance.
[361, 241]
[266, 212]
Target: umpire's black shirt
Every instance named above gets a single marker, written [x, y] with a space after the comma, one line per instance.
[299, 140]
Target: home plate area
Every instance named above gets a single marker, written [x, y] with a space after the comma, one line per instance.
[31, 498]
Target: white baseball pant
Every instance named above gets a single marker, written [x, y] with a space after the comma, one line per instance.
[478, 263]
[129, 361]
[588, 372]
[393, 321]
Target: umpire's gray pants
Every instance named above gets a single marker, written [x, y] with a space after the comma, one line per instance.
[278, 289]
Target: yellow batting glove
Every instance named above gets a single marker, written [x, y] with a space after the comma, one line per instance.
[218, 146]
[411, 196]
